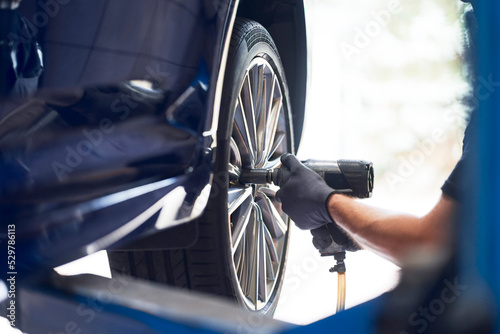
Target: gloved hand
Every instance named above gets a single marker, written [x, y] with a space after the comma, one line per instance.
[304, 195]
[322, 238]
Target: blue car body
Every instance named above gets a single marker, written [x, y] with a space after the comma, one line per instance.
[118, 142]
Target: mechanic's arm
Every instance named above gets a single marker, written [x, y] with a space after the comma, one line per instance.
[311, 204]
[390, 234]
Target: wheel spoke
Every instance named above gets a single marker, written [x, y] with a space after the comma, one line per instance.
[262, 117]
[236, 196]
[248, 111]
[259, 90]
[269, 116]
[277, 227]
[278, 140]
[235, 152]
[261, 260]
[243, 135]
[268, 191]
[241, 224]
[239, 259]
[252, 258]
[234, 173]
[273, 253]
[274, 113]
[247, 277]
[271, 276]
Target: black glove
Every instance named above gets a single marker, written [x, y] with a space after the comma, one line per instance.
[322, 238]
[304, 195]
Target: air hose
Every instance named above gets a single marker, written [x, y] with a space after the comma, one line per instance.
[340, 269]
[341, 292]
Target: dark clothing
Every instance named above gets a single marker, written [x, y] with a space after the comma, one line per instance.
[457, 182]
[453, 186]
[21, 63]
[460, 184]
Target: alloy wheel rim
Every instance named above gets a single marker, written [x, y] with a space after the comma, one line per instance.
[258, 226]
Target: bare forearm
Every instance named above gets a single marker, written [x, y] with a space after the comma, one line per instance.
[392, 234]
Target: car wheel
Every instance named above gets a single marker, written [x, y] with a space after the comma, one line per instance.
[243, 235]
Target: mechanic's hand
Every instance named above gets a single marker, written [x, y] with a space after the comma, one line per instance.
[304, 195]
[322, 238]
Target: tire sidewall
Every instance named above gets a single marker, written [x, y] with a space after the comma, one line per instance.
[238, 62]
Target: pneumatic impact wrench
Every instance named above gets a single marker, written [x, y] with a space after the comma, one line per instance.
[350, 177]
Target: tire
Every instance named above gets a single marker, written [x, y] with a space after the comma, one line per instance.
[243, 234]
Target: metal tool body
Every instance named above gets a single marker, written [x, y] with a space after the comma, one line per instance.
[350, 177]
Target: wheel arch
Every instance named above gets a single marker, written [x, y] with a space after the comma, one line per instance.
[285, 22]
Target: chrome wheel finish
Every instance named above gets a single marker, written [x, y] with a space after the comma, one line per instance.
[258, 226]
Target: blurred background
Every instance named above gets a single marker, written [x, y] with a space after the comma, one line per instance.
[385, 84]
